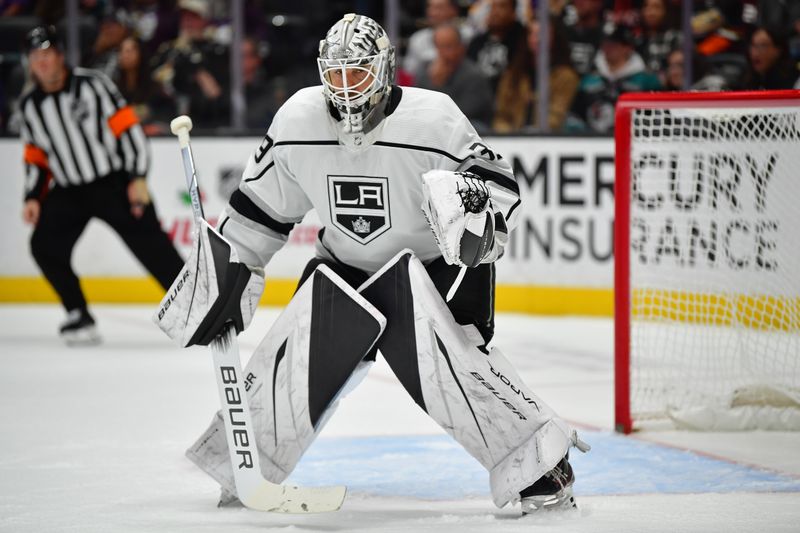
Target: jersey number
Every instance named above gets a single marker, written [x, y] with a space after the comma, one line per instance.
[263, 148]
[484, 151]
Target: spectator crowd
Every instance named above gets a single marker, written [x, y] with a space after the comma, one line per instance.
[171, 57]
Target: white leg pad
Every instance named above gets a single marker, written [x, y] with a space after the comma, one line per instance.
[537, 456]
[479, 400]
[312, 353]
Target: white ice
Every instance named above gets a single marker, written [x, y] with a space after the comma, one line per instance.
[92, 440]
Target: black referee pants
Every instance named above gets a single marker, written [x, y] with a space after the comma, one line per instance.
[64, 215]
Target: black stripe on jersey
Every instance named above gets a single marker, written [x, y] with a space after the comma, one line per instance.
[500, 223]
[86, 144]
[377, 143]
[222, 226]
[41, 174]
[60, 114]
[117, 140]
[135, 153]
[115, 103]
[115, 97]
[37, 106]
[292, 143]
[516, 205]
[99, 115]
[497, 177]
[421, 148]
[248, 209]
[307, 143]
[260, 174]
[34, 191]
[320, 238]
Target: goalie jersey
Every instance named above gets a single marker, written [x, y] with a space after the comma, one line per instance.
[365, 187]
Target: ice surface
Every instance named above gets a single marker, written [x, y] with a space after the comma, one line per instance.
[93, 440]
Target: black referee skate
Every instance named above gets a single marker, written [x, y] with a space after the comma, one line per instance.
[79, 329]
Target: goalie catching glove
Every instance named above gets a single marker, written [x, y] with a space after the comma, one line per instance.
[458, 208]
[212, 290]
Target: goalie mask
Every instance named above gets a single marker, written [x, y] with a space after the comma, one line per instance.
[357, 65]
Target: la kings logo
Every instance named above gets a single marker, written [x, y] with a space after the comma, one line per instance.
[360, 206]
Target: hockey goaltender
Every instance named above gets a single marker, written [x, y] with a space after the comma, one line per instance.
[415, 210]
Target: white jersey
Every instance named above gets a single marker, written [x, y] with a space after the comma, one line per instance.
[366, 188]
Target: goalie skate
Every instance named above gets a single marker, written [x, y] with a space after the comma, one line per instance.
[551, 492]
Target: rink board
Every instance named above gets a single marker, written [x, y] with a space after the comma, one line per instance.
[559, 260]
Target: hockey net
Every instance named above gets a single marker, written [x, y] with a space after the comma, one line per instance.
[707, 273]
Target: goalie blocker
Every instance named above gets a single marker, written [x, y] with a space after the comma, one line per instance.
[212, 289]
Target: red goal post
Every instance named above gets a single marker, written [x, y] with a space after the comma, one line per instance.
[658, 109]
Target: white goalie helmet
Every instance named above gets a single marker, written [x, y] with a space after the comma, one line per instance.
[356, 65]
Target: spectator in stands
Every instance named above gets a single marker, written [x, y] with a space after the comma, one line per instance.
[132, 76]
[113, 30]
[154, 22]
[705, 81]
[658, 36]
[421, 48]
[584, 33]
[263, 97]
[504, 36]
[779, 14]
[675, 71]
[193, 69]
[452, 73]
[718, 28]
[516, 100]
[478, 12]
[53, 11]
[618, 69]
[770, 64]
[14, 8]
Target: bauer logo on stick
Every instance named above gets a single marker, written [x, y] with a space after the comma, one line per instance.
[234, 405]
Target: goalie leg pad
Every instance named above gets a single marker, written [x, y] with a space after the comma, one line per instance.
[479, 400]
[312, 353]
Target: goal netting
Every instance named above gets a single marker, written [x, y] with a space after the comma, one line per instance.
[707, 281]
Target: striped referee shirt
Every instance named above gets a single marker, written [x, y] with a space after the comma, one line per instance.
[79, 134]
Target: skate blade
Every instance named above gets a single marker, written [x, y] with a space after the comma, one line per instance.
[562, 501]
[87, 336]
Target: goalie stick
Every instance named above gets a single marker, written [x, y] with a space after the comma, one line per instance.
[253, 490]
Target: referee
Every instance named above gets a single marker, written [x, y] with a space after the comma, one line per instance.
[85, 156]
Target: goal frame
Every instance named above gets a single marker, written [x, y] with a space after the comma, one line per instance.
[626, 104]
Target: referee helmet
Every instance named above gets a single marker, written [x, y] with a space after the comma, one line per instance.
[41, 38]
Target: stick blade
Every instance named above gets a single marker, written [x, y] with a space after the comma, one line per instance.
[294, 500]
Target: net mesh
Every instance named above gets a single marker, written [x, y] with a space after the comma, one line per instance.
[714, 258]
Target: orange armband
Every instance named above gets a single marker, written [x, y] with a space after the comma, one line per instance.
[122, 120]
[33, 155]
